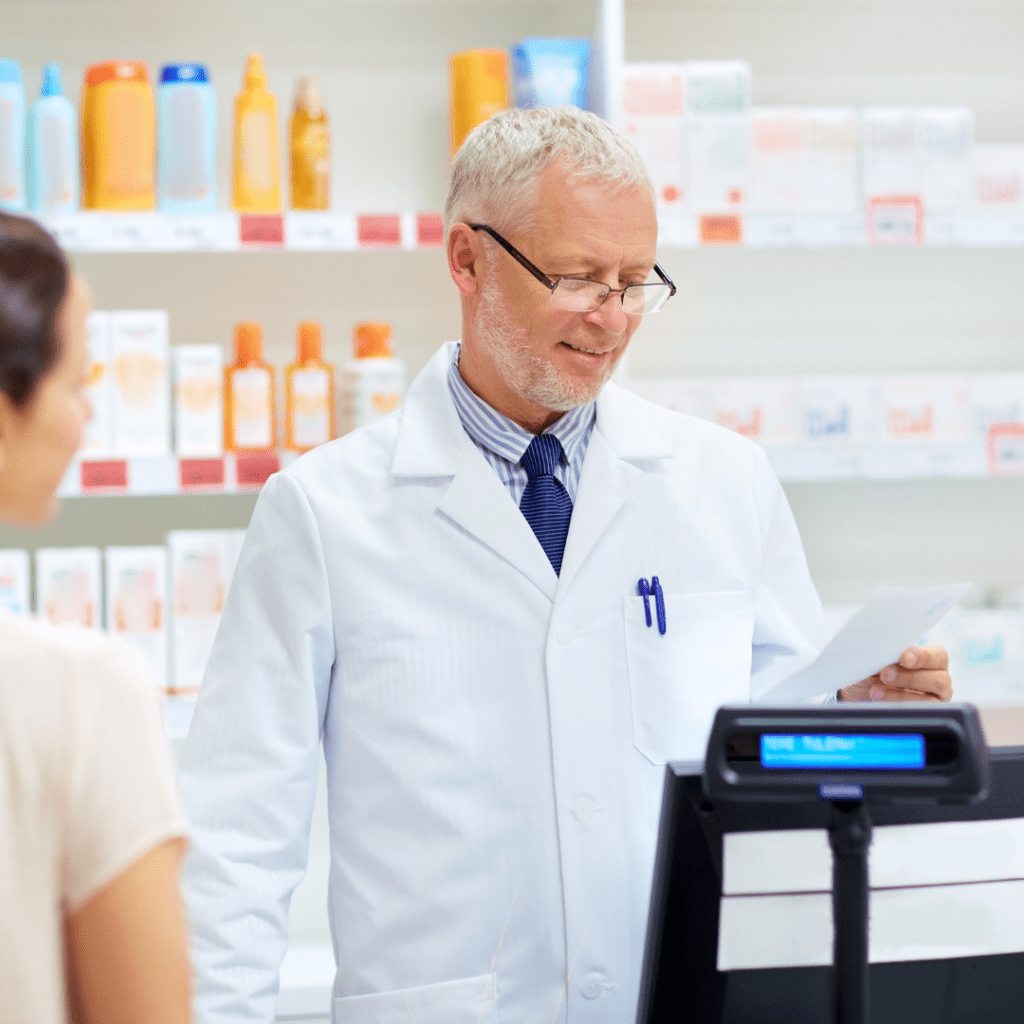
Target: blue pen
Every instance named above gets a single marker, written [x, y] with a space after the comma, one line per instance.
[659, 601]
[643, 588]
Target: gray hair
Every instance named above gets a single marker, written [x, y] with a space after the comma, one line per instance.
[495, 172]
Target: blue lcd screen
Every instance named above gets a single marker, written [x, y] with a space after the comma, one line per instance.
[842, 750]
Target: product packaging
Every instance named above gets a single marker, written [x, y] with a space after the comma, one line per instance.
[654, 109]
[831, 175]
[136, 592]
[309, 393]
[933, 407]
[198, 401]
[200, 562]
[14, 581]
[68, 584]
[12, 136]
[374, 382]
[310, 149]
[986, 655]
[53, 148]
[779, 142]
[551, 73]
[140, 382]
[479, 89]
[841, 409]
[765, 409]
[250, 417]
[999, 178]
[97, 438]
[946, 137]
[188, 139]
[257, 146]
[996, 398]
[118, 137]
[890, 153]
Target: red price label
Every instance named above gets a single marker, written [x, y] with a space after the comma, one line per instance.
[429, 230]
[379, 230]
[261, 229]
[254, 468]
[721, 229]
[108, 475]
[201, 473]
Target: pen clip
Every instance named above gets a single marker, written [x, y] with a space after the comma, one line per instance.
[659, 601]
[643, 588]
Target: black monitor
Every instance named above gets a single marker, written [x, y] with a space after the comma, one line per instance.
[681, 983]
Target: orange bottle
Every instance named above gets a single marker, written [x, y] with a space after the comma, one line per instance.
[310, 150]
[257, 153]
[309, 393]
[479, 89]
[249, 406]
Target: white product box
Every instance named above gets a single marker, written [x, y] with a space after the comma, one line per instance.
[890, 152]
[841, 409]
[654, 108]
[779, 142]
[14, 581]
[68, 585]
[986, 655]
[141, 382]
[765, 409]
[136, 593]
[97, 438]
[996, 398]
[999, 177]
[718, 135]
[946, 139]
[831, 173]
[927, 408]
[200, 563]
[198, 400]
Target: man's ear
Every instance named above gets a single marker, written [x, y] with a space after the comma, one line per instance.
[464, 250]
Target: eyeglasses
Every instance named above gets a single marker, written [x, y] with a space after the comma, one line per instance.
[582, 296]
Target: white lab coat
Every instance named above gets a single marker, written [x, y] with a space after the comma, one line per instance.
[494, 735]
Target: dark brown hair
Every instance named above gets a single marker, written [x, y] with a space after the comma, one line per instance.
[34, 277]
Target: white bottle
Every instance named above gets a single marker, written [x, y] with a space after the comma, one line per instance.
[52, 148]
[198, 400]
[12, 136]
[372, 384]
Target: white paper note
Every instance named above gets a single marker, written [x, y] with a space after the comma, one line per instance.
[894, 619]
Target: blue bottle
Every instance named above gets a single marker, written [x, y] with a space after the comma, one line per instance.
[187, 146]
[52, 148]
[12, 136]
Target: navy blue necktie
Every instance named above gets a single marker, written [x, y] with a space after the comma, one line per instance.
[546, 503]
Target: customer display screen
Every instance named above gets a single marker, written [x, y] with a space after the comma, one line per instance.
[897, 751]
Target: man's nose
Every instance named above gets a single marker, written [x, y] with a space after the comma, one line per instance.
[610, 315]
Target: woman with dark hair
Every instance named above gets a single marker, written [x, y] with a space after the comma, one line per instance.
[91, 831]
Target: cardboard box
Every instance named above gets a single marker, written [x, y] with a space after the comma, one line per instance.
[141, 383]
[198, 400]
[136, 601]
[68, 587]
[15, 576]
[97, 437]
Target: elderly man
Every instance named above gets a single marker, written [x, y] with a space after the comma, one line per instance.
[460, 602]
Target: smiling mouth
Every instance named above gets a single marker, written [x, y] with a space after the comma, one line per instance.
[585, 351]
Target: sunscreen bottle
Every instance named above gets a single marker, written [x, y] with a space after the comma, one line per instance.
[257, 152]
[479, 89]
[118, 137]
[249, 411]
[309, 390]
[52, 148]
[188, 140]
[310, 150]
[12, 136]
[373, 382]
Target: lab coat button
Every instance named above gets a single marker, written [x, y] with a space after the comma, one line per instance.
[593, 986]
[583, 808]
[567, 636]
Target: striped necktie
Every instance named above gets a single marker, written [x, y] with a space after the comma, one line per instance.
[546, 503]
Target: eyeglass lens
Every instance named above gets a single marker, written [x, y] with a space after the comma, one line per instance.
[585, 296]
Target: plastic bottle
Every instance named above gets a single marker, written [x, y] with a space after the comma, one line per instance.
[309, 393]
[310, 150]
[118, 137]
[12, 136]
[257, 151]
[249, 406]
[188, 139]
[52, 148]
[479, 89]
[373, 383]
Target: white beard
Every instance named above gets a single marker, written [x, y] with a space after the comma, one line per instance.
[523, 371]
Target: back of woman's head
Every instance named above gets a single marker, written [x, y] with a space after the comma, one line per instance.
[34, 278]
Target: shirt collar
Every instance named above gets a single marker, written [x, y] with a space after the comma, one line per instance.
[497, 433]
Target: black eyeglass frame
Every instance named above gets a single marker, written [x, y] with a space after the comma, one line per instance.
[551, 285]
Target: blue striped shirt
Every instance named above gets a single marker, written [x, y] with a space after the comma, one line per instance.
[503, 443]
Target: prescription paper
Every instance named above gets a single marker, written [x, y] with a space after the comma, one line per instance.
[894, 619]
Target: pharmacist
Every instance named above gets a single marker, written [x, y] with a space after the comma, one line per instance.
[448, 600]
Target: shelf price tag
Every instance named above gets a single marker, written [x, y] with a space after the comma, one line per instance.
[261, 229]
[210, 231]
[429, 230]
[1006, 449]
[106, 475]
[252, 469]
[721, 229]
[895, 220]
[134, 232]
[194, 474]
[379, 230]
[75, 232]
[320, 231]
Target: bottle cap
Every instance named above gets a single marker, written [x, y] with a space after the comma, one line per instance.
[184, 73]
[255, 72]
[10, 71]
[248, 342]
[52, 85]
[308, 98]
[373, 340]
[116, 71]
[310, 341]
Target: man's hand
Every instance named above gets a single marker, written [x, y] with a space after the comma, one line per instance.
[920, 674]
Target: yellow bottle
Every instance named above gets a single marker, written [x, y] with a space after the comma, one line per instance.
[479, 89]
[118, 137]
[257, 149]
[309, 393]
[249, 406]
[310, 150]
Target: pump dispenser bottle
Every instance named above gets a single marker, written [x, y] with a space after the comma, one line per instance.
[249, 408]
[257, 149]
[52, 148]
[309, 390]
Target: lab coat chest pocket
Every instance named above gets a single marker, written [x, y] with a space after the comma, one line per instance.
[466, 1001]
[678, 680]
